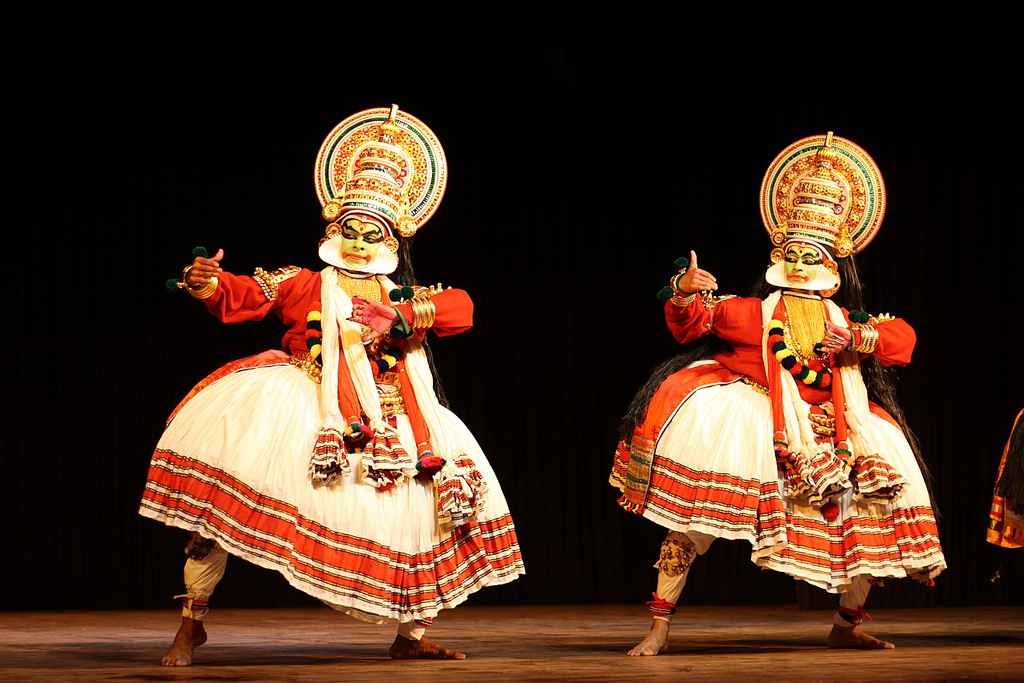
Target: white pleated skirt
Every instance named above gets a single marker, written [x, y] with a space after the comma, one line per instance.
[233, 465]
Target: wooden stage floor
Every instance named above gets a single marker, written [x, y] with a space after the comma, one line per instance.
[776, 643]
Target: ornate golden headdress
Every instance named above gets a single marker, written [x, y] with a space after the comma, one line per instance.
[823, 189]
[384, 162]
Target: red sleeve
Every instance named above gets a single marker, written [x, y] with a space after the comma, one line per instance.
[237, 299]
[453, 312]
[896, 340]
[736, 320]
[688, 322]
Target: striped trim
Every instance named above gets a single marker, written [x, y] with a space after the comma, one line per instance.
[631, 471]
[339, 568]
[905, 544]
[827, 555]
[660, 607]
[718, 504]
[1005, 525]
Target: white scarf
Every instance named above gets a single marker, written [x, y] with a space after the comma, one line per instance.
[341, 335]
[862, 434]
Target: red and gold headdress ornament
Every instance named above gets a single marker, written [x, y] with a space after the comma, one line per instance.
[381, 163]
[822, 190]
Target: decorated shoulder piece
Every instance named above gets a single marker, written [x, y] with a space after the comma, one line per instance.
[269, 282]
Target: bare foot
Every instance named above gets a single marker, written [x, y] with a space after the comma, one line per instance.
[655, 642]
[855, 639]
[190, 635]
[404, 648]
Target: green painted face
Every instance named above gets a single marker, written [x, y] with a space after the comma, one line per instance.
[802, 264]
[360, 241]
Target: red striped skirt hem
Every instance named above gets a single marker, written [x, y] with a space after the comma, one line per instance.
[345, 570]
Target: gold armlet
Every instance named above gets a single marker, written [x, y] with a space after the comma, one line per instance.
[868, 338]
[423, 312]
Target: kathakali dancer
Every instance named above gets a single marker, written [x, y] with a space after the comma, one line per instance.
[333, 461]
[1006, 519]
[769, 428]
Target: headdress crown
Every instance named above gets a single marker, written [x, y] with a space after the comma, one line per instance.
[383, 162]
[826, 190]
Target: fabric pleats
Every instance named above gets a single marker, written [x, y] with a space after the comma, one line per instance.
[714, 472]
[233, 465]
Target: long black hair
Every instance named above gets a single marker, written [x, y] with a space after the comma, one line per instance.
[1011, 483]
[405, 275]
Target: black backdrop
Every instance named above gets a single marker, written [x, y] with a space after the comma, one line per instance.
[585, 154]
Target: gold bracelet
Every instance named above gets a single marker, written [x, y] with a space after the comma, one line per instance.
[868, 339]
[681, 300]
[423, 313]
[204, 292]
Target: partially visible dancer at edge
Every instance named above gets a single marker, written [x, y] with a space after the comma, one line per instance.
[333, 461]
[780, 427]
[1006, 519]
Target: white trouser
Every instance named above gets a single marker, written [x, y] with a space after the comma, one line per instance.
[202, 576]
[853, 600]
[678, 551]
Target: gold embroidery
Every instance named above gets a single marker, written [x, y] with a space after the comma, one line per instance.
[269, 282]
[759, 388]
[305, 362]
[677, 554]
[392, 403]
[365, 287]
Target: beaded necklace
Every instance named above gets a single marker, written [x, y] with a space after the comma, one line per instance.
[803, 320]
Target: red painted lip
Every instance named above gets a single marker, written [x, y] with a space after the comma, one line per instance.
[346, 256]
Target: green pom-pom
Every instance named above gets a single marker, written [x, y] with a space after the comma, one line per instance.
[665, 293]
[859, 317]
[395, 295]
[681, 262]
[200, 252]
[172, 284]
[407, 292]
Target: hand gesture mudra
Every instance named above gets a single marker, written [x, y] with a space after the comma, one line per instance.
[204, 269]
[378, 317]
[836, 338]
[695, 279]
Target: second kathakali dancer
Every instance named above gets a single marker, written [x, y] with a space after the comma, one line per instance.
[778, 426]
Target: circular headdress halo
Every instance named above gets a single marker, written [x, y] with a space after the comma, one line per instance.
[424, 180]
[861, 205]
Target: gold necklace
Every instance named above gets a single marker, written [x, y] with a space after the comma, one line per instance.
[366, 287]
[805, 325]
